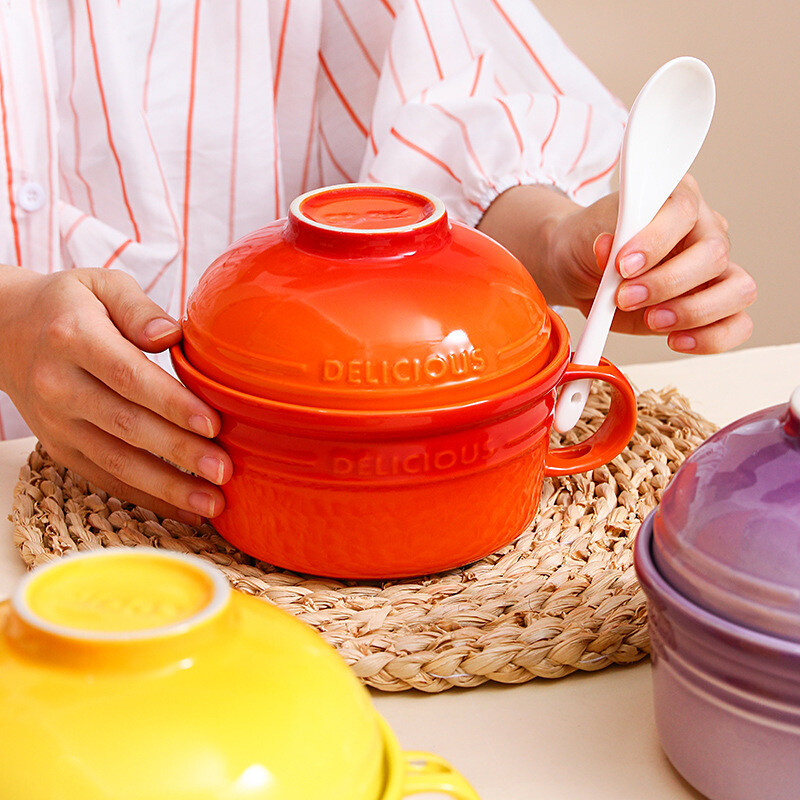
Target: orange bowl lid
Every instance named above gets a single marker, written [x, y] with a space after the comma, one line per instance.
[367, 297]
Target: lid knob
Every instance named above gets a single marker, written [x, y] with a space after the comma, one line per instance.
[367, 220]
[791, 422]
[118, 608]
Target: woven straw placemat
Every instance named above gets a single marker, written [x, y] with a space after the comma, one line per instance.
[562, 597]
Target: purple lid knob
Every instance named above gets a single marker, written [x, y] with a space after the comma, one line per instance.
[727, 531]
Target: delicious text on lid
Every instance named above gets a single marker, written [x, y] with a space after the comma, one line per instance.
[404, 371]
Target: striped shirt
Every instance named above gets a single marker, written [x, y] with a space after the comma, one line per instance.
[146, 135]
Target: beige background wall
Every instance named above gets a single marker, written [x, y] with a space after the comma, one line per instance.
[749, 168]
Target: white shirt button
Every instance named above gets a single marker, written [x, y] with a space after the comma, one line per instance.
[30, 196]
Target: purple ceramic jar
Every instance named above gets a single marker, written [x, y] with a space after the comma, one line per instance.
[719, 561]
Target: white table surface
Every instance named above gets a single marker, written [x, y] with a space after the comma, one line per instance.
[590, 735]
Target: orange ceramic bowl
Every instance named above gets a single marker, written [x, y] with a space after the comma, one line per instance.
[386, 381]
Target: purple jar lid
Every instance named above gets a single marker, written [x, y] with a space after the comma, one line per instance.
[726, 534]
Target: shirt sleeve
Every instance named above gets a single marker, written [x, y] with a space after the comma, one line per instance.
[481, 95]
[28, 140]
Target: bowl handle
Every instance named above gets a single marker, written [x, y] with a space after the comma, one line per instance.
[611, 437]
[426, 772]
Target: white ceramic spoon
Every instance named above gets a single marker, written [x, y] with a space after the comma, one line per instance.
[667, 125]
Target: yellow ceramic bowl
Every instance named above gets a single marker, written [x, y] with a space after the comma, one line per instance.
[139, 675]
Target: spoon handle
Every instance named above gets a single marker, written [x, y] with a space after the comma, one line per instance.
[573, 395]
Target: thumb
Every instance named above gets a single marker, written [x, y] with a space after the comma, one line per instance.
[134, 314]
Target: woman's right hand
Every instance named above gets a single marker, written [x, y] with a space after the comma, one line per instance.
[71, 360]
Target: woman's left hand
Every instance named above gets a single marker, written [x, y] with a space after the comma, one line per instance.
[678, 279]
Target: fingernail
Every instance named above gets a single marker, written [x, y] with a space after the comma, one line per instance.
[662, 318]
[211, 468]
[632, 264]
[202, 425]
[682, 342]
[597, 240]
[629, 297]
[203, 503]
[160, 328]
